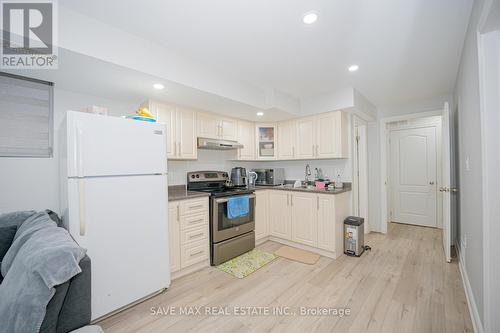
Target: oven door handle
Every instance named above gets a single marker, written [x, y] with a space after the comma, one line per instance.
[222, 200]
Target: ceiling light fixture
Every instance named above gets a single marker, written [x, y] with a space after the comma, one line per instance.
[260, 114]
[158, 86]
[353, 68]
[310, 17]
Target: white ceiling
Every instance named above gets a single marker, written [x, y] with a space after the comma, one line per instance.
[407, 50]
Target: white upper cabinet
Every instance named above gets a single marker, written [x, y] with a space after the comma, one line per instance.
[331, 135]
[208, 126]
[165, 114]
[229, 129]
[306, 138]
[181, 129]
[246, 136]
[266, 140]
[286, 140]
[186, 134]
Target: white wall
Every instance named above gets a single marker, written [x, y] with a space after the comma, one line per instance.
[490, 118]
[33, 183]
[470, 168]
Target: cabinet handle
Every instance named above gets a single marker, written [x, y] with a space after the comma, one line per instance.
[317, 203]
[196, 253]
[196, 236]
[313, 150]
[291, 200]
[178, 213]
[293, 151]
[180, 151]
[196, 206]
[175, 148]
[317, 150]
[287, 200]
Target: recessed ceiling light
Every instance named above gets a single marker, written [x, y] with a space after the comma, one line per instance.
[260, 114]
[353, 68]
[158, 86]
[310, 17]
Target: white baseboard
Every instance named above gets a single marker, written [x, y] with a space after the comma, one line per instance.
[471, 302]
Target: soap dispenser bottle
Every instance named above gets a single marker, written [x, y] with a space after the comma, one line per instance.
[338, 180]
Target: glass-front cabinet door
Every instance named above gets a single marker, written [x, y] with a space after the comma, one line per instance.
[266, 141]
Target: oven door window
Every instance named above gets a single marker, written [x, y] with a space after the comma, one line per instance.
[223, 222]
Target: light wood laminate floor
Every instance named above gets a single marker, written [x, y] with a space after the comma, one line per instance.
[402, 285]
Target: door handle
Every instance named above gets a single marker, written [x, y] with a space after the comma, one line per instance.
[81, 208]
[444, 189]
[453, 189]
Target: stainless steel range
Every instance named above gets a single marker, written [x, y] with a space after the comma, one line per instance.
[228, 237]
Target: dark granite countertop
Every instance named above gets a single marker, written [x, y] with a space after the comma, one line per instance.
[179, 192]
[289, 187]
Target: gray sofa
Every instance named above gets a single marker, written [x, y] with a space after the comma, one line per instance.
[70, 307]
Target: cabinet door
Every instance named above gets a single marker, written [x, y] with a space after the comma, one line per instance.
[280, 214]
[304, 218]
[331, 135]
[286, 139]
[166, 114]
[186, 134]
[265, 136]
[228, 129]
[174, 236]
[246, 136]
[208, 126]
[306, 138]
[261, 214]
[326, 222]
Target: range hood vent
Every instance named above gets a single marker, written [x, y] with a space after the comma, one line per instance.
[216, 144]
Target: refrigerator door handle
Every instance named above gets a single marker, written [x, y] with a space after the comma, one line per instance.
[79, 152]
[81, 210]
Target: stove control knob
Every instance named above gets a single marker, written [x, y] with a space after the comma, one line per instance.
[197, 176]
[192, 176]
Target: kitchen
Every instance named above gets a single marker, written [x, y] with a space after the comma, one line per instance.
[299, 215]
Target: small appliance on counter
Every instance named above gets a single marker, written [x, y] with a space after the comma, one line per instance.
[239, 176]
[270, 177]
[252, 179]
[354, 236]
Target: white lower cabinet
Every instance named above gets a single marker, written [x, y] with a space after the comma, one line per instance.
[309, 220]
[189, 235]
[304, 218]
[261, 214]
[280, 214]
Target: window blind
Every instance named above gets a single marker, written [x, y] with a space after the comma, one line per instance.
[26, 117]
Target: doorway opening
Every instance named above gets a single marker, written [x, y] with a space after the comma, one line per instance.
[417, 183]
[360, 170]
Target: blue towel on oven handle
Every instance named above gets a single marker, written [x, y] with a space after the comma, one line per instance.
[238, 206]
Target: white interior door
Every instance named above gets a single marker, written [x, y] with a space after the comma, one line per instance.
[414, 174]
[446, 186]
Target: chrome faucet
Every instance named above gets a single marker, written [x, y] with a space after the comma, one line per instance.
[308, 172]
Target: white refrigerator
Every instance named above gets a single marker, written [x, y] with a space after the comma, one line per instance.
[114, 202]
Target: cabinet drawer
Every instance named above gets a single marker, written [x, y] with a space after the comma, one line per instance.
[194, 234]
[194, 220]
[193, 206]
[194, 253]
